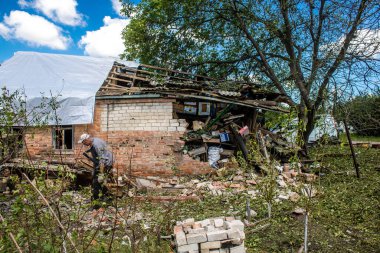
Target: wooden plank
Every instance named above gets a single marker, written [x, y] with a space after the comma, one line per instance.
[240, 142]
[131, 76]
[119, 79]
[197, 151]
[178, 72]
[234, 117]
[224, 100]
[165, 75]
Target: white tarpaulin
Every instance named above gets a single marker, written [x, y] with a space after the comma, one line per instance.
[74, 79]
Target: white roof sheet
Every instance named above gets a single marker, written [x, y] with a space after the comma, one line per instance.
[75, 79]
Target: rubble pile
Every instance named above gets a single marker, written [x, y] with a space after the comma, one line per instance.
[230, 182]
[214, 235]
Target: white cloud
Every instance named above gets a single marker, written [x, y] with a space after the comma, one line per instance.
[4, 31]
[34, 30]
[116, 5]
[107, 41]
[366, 43]
[62, 11]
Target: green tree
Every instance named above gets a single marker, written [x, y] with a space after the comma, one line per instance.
[15, 118]
[13, 113]
[303, 49]
[362, 114]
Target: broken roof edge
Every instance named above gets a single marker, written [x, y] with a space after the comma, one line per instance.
[134, 96]
[158, 94]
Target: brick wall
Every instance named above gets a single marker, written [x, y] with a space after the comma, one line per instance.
[39, 144]
[140, 132]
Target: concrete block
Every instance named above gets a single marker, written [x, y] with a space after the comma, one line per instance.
[242, 235]
[197, 224]
[237, 241]
[233, 233]
[197, 231]
[211, 245]
[177, 229]
[216, 235]
[172, 129]
[180, 239]
[196, 238]
[209, 228]
[234, 224]
[181, 129]
[205, 222]
[238, 249]
[218, 223]
[189, 248]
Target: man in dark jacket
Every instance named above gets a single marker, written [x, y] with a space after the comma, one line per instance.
[101, 158]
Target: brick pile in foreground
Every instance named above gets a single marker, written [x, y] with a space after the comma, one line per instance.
[214, 235]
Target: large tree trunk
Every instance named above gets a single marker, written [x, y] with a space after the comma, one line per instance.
[307, 118]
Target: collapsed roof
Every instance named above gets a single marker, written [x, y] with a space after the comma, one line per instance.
[124, 80]
[76, 80]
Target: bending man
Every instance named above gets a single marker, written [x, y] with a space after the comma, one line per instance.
[101, 158]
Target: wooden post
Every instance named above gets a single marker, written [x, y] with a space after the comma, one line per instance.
[240, 141]
[352, 149]
[306, 231]
[254, 119]
[248, 210]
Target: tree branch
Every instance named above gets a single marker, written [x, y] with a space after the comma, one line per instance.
[316, 42]
[294, 63]
[268, 70]
[350, 36]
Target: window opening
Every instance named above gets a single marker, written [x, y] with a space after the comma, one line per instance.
[63, 137]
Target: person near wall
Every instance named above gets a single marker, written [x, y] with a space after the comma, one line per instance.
[102, 159]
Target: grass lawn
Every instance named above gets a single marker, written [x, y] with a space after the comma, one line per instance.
[354, 137]
[344, 215]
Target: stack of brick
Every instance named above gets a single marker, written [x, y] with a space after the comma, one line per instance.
[214, 235]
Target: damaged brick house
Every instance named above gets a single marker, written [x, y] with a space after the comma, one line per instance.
[142, 111]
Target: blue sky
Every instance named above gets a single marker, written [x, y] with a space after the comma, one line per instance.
[80, 27]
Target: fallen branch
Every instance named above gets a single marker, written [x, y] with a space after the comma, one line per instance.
[256, 222]
[260, 228]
